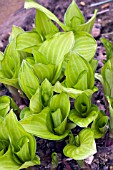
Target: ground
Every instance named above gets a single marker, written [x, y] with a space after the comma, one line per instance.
[103, 160]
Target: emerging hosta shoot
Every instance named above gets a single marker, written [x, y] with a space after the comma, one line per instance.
[22, 144]
[99, 126]
[106, 78]
[84, 112]
[82, 146]
[51, 123]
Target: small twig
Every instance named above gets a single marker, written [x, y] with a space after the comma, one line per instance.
[100, 3]
[109, 33]
[101, 12]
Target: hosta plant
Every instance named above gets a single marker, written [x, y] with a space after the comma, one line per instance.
[51, 122]
[84, 112]
[106, 78]
[53, 73]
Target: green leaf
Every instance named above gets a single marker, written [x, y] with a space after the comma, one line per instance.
[11, 82]
[73, 11]
[86, 148]
[27, 41]
[25, 112]
[30, 60]
[88, 25]
[44, 25]
[73, 93]
[15, 31]
[43, 71]
[35, 161]
[46, 92]
[4, 105]
[35, 102]
[55, 48]
[28, 82]
[82, 121]
[107, 78]
[54, 157]
[94, 64]
[10, 66]
[77, 67]
[23, 144]
[3, 133]
[32, 4]
[7, 161]
[57, 118]
[109, 47]
[85, 45]
[82, 103]
[39, 58]
[110, 101]
[37, 125]
[61, 102]
[99, 126]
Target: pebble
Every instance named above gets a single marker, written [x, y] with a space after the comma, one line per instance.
[96, 30]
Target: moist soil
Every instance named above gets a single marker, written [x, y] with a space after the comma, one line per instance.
[103, 159]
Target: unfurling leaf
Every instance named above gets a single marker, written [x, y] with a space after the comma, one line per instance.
[86, 146]
[83, 113]
[99, 126]
[27, 80]
[44, 25]
[23, 144]
[73, 12]
[45, 124]
[10, 66]
[79, 73]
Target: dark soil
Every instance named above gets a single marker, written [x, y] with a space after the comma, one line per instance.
[103, 160]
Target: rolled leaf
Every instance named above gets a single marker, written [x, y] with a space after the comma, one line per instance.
[46, 92]
[7, 161]
[4, 105]
[110, 101]
[83, 103]
[43, 71]
[37, 125]
[10, 66]
[81, 121]
[109, 48]
[39, 58]
[15, 31]
[60, 105]
[36, 102]
[99, 126]
[78, 70]
[84, 113]
[89, 24]
[25, 112]
[23, 144]
[27, 80]
[73, 11]
[86, 148]
[44, 25]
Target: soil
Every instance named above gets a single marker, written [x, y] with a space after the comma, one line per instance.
[103, 160]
